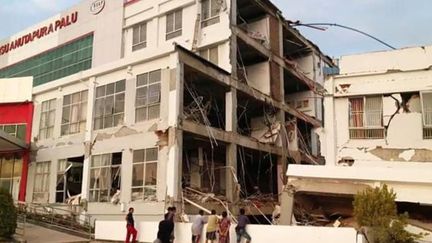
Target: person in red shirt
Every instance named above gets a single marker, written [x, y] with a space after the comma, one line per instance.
[130, 227]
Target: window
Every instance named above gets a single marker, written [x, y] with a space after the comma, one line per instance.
[365, 121]
[174, 24]
[74, 113]
[41, 182]
[210, 12]
[144, 174]
[10, 173]
[427, 114]
[16, 130]
[105, 176]
[54, 64]
[46, 127]
[62, 167]
[210, 54]
[147, 101]
[139, 38]
[109, 105]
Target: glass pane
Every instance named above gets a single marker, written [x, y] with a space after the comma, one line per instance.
[215, 8]
[155, 76]
[205, 7]
[51, 118]
[136, 34]
[17, 167]
[153, 112]
[141, 96]
[118, 119]
[66, 100]
[84, 95]
[150, 193]
[11, 129]
[96, 160]
[141, 114]
[143, 32]
[119, 103]
[83, 113]
[21, 132]
[137, 194]
[110, 88]
[99, 107]
[100, 91]
[142, 79]
[138, 175]
[154, 93]
[178, 20]
[151, 174]
[52, 104]
[120, 86]
[75, 113]
[109, 105]
[76, 98]
[151, 154]
[108, 121]
[170, 23]
[106, 159]
[66, 115]
[7, 167]
[138, 155]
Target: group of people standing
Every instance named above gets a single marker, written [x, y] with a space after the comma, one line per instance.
[219, 226]
[215, 226]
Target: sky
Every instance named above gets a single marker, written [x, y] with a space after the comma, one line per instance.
[400, 23]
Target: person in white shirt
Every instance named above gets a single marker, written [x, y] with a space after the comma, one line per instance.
[197, 227]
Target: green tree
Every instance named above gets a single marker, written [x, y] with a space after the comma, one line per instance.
[376, 209]
[8, 215]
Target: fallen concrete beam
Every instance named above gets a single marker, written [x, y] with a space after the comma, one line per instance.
[229, 137]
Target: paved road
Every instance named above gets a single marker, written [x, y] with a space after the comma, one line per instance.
[38, 234]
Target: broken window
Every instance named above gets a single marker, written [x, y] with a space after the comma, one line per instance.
[210, 12]
[139, 36]
[10, 173]
[427, 114]
[105, 177]
[210, 54]
[174, 24]
[41, 182]
[109, 105]
[147, 101]
[46, 127]
[144, 177]
[15, 130]
[74, 113]
[365, 118]
[69, 178]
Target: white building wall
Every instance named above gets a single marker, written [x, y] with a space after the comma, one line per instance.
[402, 158]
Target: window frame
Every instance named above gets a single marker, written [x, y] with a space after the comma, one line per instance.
[213, 18]
[81, 122]
[46, 128]
[45, 177]
[109, 167]
[365, 131]
[145, 163]
[102, 100]
[206, 53]
[174, 32]
[15, 133]
[147, 106]
[141, 44]
[427, 128]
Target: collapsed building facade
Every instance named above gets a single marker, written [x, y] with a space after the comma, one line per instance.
[377, 131]
[187, 103]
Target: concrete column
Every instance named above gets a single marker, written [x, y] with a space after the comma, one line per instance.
[126, 174]
[53, 180]
[129, 115]
[330, 126]
[175, 136]
[287, 206]
[231, 149]
[88, 139]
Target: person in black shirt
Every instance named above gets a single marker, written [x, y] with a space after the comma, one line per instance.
[166, 228]
[130, 227]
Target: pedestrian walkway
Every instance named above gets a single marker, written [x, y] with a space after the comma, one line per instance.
[38, 234]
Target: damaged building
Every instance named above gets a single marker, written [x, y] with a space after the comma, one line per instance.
[186, 103]
[378, 130]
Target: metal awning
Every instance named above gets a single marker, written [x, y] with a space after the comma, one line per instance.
[9, 143]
